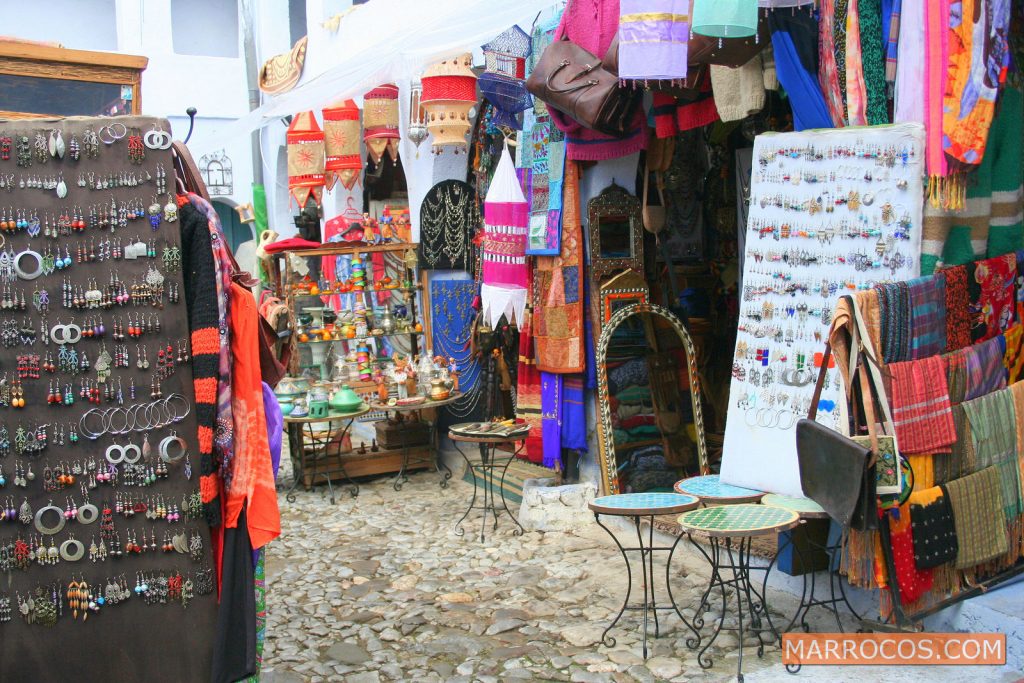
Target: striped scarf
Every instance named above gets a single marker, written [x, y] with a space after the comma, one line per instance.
[892, 44]
[993, 420]
[921, 409]
[927, 316]
[977, 504]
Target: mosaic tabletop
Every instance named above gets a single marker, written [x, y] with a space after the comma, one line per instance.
[709, 487]
[805, 507]
[747, 519]
[644, 504]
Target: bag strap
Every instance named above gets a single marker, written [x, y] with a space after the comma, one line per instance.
[187, 171]
[812, 413]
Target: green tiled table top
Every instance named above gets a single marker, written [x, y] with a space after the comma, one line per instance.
[805, 507]
[709, 487]
[736, 521]
[644, 504]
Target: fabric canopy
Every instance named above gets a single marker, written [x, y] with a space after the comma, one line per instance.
[389, 41]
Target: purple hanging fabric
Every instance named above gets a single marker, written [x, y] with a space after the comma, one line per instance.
[551, 418]
[653, 39]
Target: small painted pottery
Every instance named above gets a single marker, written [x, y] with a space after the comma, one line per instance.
[345, 400]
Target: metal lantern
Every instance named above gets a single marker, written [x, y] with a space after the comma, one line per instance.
[380, 122]
[725, 18]
[341, 144]
[449, 93]
[502, 81]
[305, 158]
[417, 132]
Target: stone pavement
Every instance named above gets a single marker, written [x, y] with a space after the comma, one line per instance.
[379, 588]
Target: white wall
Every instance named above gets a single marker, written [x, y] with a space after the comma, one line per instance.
[62, 21]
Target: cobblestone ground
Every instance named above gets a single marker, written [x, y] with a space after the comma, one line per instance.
[379, 588]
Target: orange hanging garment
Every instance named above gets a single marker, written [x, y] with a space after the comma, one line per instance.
[253, 482]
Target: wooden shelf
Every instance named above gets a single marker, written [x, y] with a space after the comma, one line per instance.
[351, 248]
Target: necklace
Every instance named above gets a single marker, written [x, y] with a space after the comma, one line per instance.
[448, 216]
[451, 303]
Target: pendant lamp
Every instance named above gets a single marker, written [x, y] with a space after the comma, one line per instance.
[341, 144]
[417, 132]
[502, 81]
[725, 18]
[449, 93]
[305, 158]
[380, 122]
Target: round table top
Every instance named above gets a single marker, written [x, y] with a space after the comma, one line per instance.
[742, 520]
[709, 488]
[805, 507]
[466, 438]
[429, 403]
[630, 504]
[306, 419]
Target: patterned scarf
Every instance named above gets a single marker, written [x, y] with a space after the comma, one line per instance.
[927, 316]
[873, 62]
[934, 529]
[892, 42]
[985, 370]
[921, 409]
[856, 91]
[828, 70]
[991, 285]
[528, 392]
[958, 317]
[994, 437]
[913, 581]
[977, 503]
[1013, 358]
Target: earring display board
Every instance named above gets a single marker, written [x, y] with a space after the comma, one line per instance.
[105, 561]
[830, 212]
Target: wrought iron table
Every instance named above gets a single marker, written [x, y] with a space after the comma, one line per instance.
[637, 506]
[416, 411]
[324, 439]
[711, 491]
[730, 529]
[808, 509]
[485, 466]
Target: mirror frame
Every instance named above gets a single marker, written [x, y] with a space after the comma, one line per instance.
[605, 439]
[614, 200]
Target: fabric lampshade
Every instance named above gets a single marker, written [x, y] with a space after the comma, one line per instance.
[449, 93]
[725, 18]
[341, 144]
[380, 122]
[305, 158]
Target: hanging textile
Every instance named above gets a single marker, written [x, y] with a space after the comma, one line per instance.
[958, 301]
[551, 418]
[449, 217]
[452, 316]
[977, 504]
[985, 372]
[653, 38]
[993, 420]
[828, 69]
[558, 291]
[909, 101]
[574, 421]
[992, 221]
[253, 482]
[1013, 356]
[913, 581]
[528, 392]
[504, 245]
[990, 285]
[856, 90]
[795, 42]
[927, 316]
[891, 38]
[934, 529]
[978, 60]
[921, 410]
[876, 104]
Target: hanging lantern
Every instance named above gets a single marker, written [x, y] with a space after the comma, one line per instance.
[417, 117]
[341, 144]
[725, 18]
[380, 122]
[502, 81]
[449, 93]
[305, 158]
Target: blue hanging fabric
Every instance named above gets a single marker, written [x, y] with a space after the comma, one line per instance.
[795, 44]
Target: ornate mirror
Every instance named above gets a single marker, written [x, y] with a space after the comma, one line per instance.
[651, 434]
[616, 234]
[625, 289]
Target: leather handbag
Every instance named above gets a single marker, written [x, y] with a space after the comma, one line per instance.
[572, 80]
[834, 469]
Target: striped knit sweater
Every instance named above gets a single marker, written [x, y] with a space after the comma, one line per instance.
[201, 296]
[992, 222]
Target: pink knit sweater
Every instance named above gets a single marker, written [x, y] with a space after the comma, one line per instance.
[592, 25]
